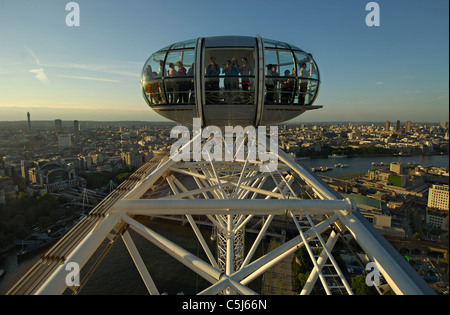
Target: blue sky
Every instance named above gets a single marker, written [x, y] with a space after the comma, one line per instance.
[399, 70]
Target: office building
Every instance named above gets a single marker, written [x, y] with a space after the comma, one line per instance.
[29, 121]
[76, 127]
[408, 126]
[438, 197]
[58, 125]
[64, 141]
[437, 207]
[397, 127]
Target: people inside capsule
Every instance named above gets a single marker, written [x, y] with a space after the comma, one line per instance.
[287, 88]
[183, 85]
[151, 86]
[254, 74]
[226, 70]
[235, 73]
[271, 83]
[245, 71]
[171, 85]
[147, 75]
[231, 82]
[303, 88]
[213, 70]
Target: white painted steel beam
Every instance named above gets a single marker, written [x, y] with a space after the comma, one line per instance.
[256, 268]
[312, 279]
[140, 265]
[399, 275]
[226, 206]
[191, 261]
[172, 181]
[56, 282]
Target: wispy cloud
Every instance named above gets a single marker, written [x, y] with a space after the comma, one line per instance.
[39, 73]
[379, 83]
[121, 69]
[87, 78]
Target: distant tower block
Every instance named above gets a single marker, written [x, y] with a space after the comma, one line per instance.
[397, 126]
[29, 121]
[76, 127]
[58, 125]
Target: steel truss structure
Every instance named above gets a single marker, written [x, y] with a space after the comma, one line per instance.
[230, 195]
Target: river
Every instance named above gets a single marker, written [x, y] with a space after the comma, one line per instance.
[363, 164]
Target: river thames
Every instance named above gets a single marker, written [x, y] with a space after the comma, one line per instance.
[362, 164]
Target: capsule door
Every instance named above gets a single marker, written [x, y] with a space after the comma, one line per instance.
[229, 86]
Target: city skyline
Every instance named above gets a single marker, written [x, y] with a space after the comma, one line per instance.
[91, 72]
[70, 121]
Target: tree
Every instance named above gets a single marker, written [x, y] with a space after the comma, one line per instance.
[359, 286]
[122, 177]
[44, 223]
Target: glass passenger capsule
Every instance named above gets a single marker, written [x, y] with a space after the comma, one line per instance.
[231, 80]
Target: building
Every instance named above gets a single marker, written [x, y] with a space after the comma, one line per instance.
[64, 141]
[438, 207]
[397, 127]
[58, 125]
[76, 127]
[396, 168]
[437, 219]
[86, 162]
[132, 158]
[387, 126]
[355, 135]
[408, 126]
[375, 211]
[51, 176]
[395, 176]
[438, 197]
[24, 166]
[29, 121]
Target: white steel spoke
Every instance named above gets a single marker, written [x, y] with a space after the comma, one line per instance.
[143, 271]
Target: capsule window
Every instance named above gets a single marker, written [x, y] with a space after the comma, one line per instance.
[268, 43]
[186, 44]
[280, 77]
[152, 79]
[229, 76]
[308, 80]
[179, 77]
